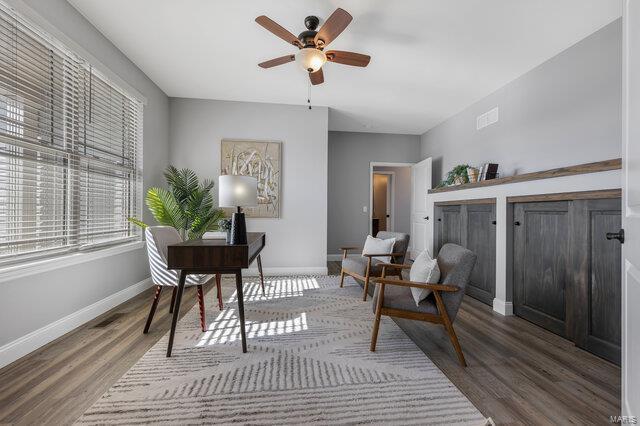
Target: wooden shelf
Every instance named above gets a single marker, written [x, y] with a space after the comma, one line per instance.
[598, 166]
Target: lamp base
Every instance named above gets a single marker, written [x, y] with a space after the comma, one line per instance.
[238, 229]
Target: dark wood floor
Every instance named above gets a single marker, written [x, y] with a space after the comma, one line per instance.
[518, 373]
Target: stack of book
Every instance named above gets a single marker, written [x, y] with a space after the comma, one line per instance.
[488, 171]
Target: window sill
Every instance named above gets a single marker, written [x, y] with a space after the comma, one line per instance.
[39, 266]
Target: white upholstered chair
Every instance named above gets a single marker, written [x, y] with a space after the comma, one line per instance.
[158, 238]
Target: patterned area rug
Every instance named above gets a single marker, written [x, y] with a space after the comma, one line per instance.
[308, 361]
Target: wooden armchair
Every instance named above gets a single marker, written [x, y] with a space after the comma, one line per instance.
[363, 268]
[393, 297]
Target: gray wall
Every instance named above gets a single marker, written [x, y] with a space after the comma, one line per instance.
[566, 111]
[402, 197]
[40, 299]
[350, 155]
[297, 240]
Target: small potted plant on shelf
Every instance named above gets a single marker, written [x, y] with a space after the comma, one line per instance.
[457, 176]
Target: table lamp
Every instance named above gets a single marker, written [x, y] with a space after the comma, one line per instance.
[238, 191]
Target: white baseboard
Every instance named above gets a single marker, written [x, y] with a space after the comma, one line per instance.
[334, 257]
[503, 307]
[40, 337]
[303, 270]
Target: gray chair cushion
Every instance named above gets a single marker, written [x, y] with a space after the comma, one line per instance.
[358, 265]
[401, 245]
[455, 263]
[397, 297]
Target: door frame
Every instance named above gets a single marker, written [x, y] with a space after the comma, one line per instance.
[373, 164]
[391, 202]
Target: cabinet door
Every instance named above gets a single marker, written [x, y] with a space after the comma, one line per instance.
[480, 237]
[448, 226]
[597, 270]
[541, 263]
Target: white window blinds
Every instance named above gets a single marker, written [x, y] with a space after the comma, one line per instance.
[70, 149]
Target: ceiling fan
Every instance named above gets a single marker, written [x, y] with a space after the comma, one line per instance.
[312, 43]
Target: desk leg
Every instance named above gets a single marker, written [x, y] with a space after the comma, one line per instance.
[176, 311]
[241, 309]
[261, 275]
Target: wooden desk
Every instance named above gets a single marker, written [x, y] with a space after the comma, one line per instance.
[214, 257]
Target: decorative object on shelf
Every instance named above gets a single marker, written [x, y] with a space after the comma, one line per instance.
[238, 191]
[261, 160]
[187, 205]
[225, 225]
[473, 174]
[489, 171]
[457, 176]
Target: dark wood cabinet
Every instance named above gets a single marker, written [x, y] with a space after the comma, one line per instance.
[472, 226]
[597, 270]
[566, 274]
[541, 263]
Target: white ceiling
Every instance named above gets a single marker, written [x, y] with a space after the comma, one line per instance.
[430, 58]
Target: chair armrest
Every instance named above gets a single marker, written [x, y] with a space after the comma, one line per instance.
[426, 286]
[383, 255]
[394, 265]
[350, 248]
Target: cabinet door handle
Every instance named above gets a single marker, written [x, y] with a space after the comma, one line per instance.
[439, 220]
[516, 223]
[426, 218]
[616, 236]
[493, 222]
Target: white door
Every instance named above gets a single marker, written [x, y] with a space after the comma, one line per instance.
[420, 223]
[631, 211]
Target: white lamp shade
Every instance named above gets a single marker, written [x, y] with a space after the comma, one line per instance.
[237, 191]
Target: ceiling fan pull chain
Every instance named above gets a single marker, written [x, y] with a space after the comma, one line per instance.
[309, 94]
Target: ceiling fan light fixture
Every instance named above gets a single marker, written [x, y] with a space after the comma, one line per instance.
[311, 59]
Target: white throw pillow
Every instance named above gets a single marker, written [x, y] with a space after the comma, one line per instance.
[379, 246]
[424, 270]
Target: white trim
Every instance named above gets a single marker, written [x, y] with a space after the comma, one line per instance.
[502, 307]
[45, 265]
[373, 164]
[301, 270]
[40, 337]
[32, 15]
[334, 257]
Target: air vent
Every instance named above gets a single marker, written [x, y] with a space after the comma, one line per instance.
[487, 119]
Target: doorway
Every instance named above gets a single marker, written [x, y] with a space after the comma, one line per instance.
[389, 197]
[383, 202]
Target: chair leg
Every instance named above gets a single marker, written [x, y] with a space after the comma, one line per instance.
[376, 321]
[219, 291]
[173, 299]
[366, 281]
[259, 259]
[203, 321]
[342, 278]
[449, 327]
[154, 305]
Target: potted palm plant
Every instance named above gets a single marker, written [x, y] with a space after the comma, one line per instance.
[187, 205]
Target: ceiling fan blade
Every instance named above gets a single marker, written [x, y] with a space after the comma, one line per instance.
[275, 28]
[335, 24]
[348, 58]
[277, 61]
[316, 77]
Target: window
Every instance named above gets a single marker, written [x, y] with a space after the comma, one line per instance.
[70, 149]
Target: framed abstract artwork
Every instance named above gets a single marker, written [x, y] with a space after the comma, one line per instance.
[262, 160]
